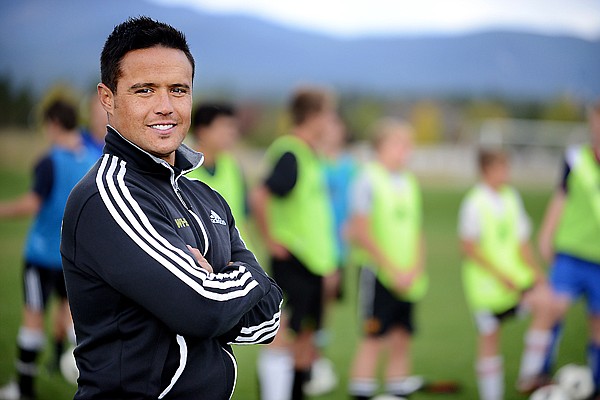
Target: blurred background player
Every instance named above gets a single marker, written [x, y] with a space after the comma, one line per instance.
[293, 214]
[386, 224]
[570, 239]
[67, 161]
[500, 275]
[93, 134]
[340, 169]
[216, 130]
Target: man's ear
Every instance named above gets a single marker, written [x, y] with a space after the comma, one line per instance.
[106, 97]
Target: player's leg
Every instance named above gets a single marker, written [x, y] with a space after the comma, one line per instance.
[307, 321]
[363, 383]
[546, 309]
[62, 321]
[398, 380]
[304, 355]
[594, 351]
[399, 335]
[323, 378]
[304, 292]
[275, 363]
[31, 338]
[553, 348]
[489, 366]
[566, 283]
[398, 343]
[591, 277]
[30, 341]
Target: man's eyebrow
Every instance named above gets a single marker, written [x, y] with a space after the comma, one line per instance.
[151, 85]
[142, 85]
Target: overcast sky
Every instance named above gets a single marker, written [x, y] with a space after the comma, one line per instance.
[374, 17]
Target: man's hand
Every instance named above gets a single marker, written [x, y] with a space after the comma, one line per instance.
[201, 260]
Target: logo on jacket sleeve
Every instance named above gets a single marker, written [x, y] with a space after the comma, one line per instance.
[216, 219]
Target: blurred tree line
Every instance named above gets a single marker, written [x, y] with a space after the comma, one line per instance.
[18, 101]
[435, 119]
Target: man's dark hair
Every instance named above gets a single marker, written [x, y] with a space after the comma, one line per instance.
[135, 34]
[205, 114]
[61, 113]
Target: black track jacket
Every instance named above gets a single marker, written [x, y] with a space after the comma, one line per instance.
[150, 323]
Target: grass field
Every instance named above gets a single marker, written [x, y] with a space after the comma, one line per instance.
[444, 345]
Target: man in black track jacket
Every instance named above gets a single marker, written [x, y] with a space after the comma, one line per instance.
[159, 280]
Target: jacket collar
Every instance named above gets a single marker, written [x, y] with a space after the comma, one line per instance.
[186, 159]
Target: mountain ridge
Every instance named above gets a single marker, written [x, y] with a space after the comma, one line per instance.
[245, 57]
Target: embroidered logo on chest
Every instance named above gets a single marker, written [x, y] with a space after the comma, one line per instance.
[181, 222]
[216, 219]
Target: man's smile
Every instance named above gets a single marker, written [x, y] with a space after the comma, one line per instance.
[162, 127]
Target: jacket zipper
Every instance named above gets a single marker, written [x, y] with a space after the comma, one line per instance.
[193, 214]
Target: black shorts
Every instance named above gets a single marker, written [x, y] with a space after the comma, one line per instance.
[303, 292]
[39, 283]
[381, 310]
[489, 321]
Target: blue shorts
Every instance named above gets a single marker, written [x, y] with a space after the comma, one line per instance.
[574, 277]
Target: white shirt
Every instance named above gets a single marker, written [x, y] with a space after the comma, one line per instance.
[470, 218]
[361, 192]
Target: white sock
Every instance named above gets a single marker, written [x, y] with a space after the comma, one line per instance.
[534, 355]
[31, 339]
[490, 378]
[275, 373]
[365, 387]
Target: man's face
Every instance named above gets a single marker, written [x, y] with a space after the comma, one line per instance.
[152, 105]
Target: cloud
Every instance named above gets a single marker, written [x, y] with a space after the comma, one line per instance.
[375, 17]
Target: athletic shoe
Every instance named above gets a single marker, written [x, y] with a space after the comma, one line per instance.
[407, 385]
[530, 385]
[322, 378]
[10, 391]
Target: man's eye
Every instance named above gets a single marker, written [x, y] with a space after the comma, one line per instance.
[179, 90]
[144, 91]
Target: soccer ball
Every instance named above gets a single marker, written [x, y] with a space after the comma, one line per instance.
[68, 367]
[576, 380]
[550, 392]
[387, 397]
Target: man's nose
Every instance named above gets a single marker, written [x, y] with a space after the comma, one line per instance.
[164, 104]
